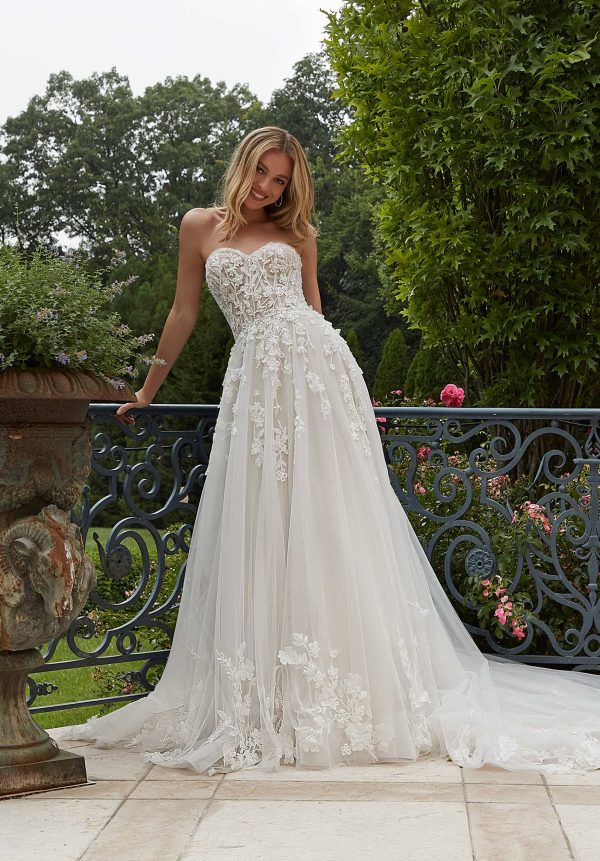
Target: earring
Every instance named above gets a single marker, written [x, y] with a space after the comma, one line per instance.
[279, 201]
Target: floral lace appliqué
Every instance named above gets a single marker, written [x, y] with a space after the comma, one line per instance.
[263, 301]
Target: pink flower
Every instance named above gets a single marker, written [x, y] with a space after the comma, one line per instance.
[584, 500]
[420, 489]
[501, 615]
[396, 392]
[423, 452]
[452, 396]
[485, 582]
[518, 632]
[485, 593]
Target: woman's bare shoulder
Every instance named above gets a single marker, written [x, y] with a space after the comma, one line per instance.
[304, 245]
[206, 216]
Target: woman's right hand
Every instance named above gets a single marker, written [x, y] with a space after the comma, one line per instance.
[142, 401]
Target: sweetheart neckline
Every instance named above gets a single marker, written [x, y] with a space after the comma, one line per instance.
[249, 254]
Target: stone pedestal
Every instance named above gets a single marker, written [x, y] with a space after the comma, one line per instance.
[30, 760]
[45, 576]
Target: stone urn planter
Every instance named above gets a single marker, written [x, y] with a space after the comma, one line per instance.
[45, 576]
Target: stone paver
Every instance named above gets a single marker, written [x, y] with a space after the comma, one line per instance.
[424, 811]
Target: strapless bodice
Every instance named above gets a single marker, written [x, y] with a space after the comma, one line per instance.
[253, 289]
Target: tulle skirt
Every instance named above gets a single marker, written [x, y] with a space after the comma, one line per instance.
[312, 629]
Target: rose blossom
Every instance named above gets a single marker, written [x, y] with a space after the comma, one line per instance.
[452, 396]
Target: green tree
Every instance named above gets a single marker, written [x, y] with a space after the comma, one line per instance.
[110, 170]
[392, 368]
[428, 373]
[354, 344]
[349, 261]
[306, 107]
[480, 122]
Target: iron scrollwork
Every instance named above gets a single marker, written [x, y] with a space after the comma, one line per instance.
[147, 481]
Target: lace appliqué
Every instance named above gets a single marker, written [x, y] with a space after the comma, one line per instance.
[262, 298]
[358, 424]
[340, 702]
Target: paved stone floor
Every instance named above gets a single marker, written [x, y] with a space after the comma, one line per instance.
[426, 811]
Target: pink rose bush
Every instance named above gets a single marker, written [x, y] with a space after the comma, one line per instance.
[526, 533]
[452, 396]
[502, 612]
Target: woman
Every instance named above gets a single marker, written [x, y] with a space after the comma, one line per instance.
[312, 627]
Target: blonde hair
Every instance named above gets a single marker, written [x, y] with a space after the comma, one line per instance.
[296, 210]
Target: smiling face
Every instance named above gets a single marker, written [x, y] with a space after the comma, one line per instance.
[273, 174]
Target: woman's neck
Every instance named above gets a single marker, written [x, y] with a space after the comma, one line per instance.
[255, 216]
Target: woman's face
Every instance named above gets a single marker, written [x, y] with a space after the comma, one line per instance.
[273, 173]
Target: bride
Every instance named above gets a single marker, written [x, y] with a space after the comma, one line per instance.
[312, 628]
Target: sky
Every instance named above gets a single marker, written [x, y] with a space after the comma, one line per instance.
[255, 42]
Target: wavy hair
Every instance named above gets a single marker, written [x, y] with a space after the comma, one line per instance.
[297, 208]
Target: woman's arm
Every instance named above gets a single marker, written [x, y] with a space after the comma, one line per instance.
[184, 311]
[310, 285]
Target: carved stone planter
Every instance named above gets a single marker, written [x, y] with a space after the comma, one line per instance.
[45, 576]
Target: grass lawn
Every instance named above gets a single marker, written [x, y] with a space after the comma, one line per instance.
[78, 684]
[73, 685]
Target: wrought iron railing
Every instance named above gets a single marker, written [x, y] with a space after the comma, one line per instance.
[462, 475]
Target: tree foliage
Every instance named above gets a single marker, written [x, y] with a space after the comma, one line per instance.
[480, 122]
[90, 162]
[392, 368]
[427, 374]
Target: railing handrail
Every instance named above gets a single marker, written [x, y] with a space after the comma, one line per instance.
[464, 412]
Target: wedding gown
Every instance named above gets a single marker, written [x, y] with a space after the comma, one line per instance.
[312, 628]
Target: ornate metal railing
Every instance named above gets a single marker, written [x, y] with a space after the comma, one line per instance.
[466, 478]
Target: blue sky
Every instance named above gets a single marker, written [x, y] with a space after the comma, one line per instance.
[255, 42]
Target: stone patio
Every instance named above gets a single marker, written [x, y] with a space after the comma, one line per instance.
[425, 811]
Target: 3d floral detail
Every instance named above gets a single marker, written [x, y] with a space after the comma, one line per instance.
[420, 489]
[62, 358]
[423, 452]
[452, 396]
